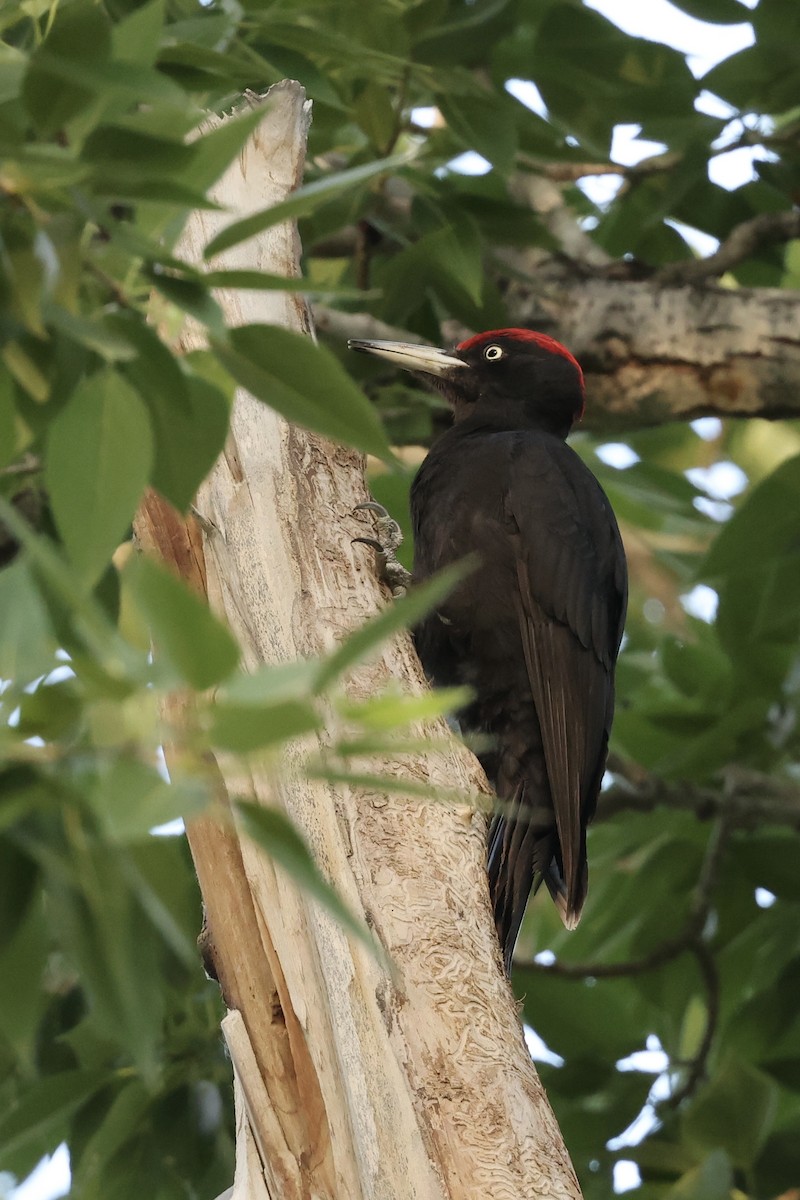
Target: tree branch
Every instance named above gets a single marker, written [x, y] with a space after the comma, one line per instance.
[741, 244]
[745, 799]
[653, 354]
[650, 354]
[546, 198]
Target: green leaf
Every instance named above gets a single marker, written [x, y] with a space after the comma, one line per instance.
[603, 1017]
[401, 614]
[131, 798]
[163, 880]
[243, 728]
[755, 566]
[12, 71]
[80, 37]
[98, 336]
[394, 785]
[758, 78]
[19, 875]
[594, 76]
[120, 82]
[29, 260]
[302, 202]
[189, 443]
[770, 861]
[20, 364]
[28, 643]
[456, 253]
[272, 684]
[95, 912]
[193, 297]
[486, 124]
[275, 834]
[155, 372]
[375, 114]
[734, 1112]
[712, 1180]
[130, 151]
[189, 414]
[448, 260]
[304, 383]
[99, 454]
[23, 964]
[120, 1122]
[40, 1118]
[8, 420]
[762, 528]
[119, 187]
[396, 711]
[264, 281]
[137, 37]
[195, 643]
[52, 711]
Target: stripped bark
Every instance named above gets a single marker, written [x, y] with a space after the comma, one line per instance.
[352, 1083]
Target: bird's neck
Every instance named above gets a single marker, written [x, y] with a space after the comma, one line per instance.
[495, 418]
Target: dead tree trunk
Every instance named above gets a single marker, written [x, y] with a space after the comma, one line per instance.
[351, 1083]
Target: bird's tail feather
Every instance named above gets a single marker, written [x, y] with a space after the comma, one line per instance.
[570, 913]
[520, 858]
[519, 854]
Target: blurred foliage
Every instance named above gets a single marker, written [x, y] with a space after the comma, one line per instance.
[108, 1031]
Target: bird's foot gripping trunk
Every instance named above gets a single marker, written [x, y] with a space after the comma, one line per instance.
[390, 536]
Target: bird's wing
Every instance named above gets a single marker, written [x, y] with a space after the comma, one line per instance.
[570, 567]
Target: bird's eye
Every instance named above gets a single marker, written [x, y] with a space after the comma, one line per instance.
[492, 353]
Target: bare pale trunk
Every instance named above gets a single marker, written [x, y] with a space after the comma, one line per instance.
[352, 1083]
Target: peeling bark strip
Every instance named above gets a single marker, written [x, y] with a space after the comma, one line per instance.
[653, 354]
[351, 1084]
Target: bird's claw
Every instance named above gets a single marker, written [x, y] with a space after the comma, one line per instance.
[389, 532]
[390, 570]
[371, 542]
[371, 506]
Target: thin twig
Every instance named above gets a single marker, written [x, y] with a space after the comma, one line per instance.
[685, 941]
[690, 940]
[697, 1065]
[109, 282]
[29, 464]
[741, 243]
[571, 172]
[359, 325]
[747, 799]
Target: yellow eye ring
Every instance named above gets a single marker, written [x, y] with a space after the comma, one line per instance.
[493, 353]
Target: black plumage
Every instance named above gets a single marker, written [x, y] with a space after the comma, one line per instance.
[536, 629]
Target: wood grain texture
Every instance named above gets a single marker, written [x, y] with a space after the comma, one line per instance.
[356, 1083]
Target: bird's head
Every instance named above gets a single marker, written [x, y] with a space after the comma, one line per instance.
[510, 378]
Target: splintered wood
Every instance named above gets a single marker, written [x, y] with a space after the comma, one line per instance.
[353, 1082]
